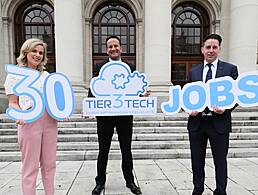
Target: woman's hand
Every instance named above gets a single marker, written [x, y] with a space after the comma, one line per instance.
[20, 122]
[66, 119]
[14, 103]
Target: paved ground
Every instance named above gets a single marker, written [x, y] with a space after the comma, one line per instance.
[155, 177]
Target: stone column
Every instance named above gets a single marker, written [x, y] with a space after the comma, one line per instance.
[140, 45]
[2, 75]
[243, 34]
[69, 45]
[88, 51]
[5, 57]
[158, 46]
[224, 30]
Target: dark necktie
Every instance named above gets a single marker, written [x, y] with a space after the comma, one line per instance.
[209, 73]
[208, 77]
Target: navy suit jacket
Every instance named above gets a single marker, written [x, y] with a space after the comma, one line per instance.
[222, 122]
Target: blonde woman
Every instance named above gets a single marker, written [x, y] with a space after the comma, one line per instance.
[37, 140]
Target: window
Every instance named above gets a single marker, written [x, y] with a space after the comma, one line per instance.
[35, 20]
[190, 24]
[114, 18]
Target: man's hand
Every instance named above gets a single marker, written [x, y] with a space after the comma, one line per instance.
[146, 94]
[193, 113]
[218, 110]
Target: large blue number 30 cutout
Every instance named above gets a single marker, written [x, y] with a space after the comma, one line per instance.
[58, 95]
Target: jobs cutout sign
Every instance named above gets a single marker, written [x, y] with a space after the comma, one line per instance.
[117, 92]
[223, 92]
[57, 97]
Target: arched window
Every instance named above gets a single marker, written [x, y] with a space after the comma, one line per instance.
[35, 20]
[114, 18]
[190, 24]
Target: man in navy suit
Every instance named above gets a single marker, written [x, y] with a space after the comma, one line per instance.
[213, 125]
[105, 130]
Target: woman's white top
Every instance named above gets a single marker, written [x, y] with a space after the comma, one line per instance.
[25, 102]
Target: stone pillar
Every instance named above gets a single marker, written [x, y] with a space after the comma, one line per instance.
[158, 46]
[140, 45]
[224, 30]
[7, 53]
[88, 51]
[243, 34]
[69, 45]
[2, 75]
[5, 57]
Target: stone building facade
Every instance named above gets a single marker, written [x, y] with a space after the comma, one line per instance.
[162, 38]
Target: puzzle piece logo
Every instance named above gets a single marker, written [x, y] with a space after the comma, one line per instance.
[116, 79]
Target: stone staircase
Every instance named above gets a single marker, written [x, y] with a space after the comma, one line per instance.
[154, 137]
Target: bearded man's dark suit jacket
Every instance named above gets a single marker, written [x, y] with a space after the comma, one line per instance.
[105, 130]
[216, 128]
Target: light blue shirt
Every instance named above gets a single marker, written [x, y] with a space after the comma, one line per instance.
[213, 69]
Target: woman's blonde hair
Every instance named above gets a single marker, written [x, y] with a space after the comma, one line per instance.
[27, 47]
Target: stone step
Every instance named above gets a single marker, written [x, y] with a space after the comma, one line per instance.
[154, 137]
[239, 112]
[154, 124]
[90, 124]
[137, 154]
[136, 137]
[76, 146]
[143, 130]
[246, 109]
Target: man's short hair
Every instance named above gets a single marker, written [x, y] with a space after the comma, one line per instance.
[213, 36]
[113, 37]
